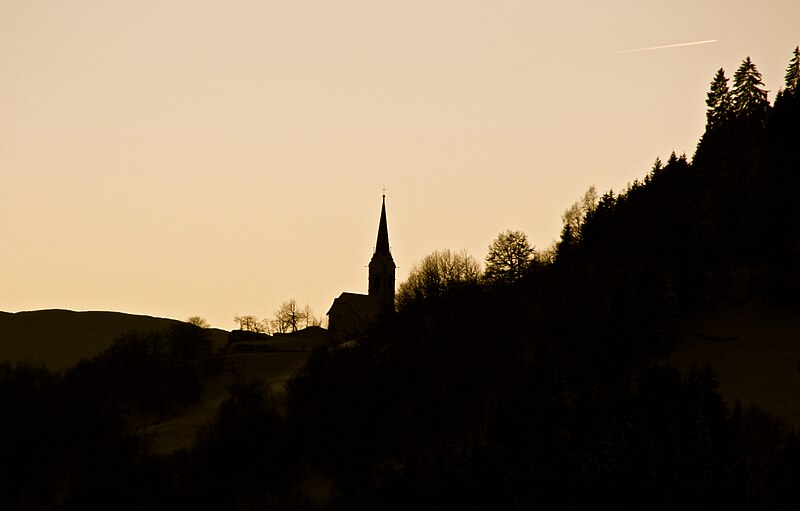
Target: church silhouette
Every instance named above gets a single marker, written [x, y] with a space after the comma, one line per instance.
[351, 314]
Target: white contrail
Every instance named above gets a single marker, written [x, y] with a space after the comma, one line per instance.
[693, 43]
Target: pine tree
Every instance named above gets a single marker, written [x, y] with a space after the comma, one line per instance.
[749, 98]
[793, 72]
[719, 101]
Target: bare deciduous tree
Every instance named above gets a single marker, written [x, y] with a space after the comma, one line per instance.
[435, 274]
[288, 317]
[251, 324]
[310, 318]
[198, 321]
[575, 215]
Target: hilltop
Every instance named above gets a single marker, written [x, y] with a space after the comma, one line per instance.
[61, 338]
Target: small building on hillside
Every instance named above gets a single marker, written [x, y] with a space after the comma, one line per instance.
[351, 314]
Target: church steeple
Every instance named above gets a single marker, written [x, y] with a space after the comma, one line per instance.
[382, 246]
[382, 267]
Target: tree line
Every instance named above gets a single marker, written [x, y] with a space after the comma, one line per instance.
[536, 383]
[540, 382]
[66, 439]
[745, 165]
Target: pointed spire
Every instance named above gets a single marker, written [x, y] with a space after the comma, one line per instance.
[382, 246]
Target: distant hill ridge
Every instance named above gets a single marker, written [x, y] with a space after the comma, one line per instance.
[61, 338]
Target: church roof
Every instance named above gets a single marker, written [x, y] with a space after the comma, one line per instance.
[364, 306]
[382, 245]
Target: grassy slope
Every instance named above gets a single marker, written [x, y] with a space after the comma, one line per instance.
[61, 338]
[180, 429]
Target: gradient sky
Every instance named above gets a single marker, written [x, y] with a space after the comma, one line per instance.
[178, 158]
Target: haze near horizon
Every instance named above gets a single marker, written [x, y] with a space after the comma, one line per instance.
[194, 158]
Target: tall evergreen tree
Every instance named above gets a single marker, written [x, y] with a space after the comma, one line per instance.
[793, 72]
[749, 98]
[719, 101]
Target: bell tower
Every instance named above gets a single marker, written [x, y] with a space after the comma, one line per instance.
[382, 267]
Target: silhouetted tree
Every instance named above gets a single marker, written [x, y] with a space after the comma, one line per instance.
[155, 371]
[288, 317]
[251, 323]
[310, 319]
[437, 273]
[198, 321]
[719, 101]
[188, 342]
[793, 72]
[749, 97]
[577, 212]
[510, 257]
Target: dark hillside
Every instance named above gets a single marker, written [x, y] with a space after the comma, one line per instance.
[551, 391]
[548, 390]
[61, 338]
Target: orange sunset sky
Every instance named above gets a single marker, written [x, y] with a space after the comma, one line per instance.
[178, 158]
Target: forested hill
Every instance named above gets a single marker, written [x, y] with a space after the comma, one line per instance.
[726, 222]
[548, 390]
[540, 384]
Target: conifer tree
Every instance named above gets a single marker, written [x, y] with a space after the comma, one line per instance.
[719, 101]
[793, 72]
[749, 98]
[510, 256]
[658, 165]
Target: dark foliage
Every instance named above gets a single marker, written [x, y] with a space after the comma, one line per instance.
[64, 438]
[244, 459]
[543, 391]
[146, 372]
